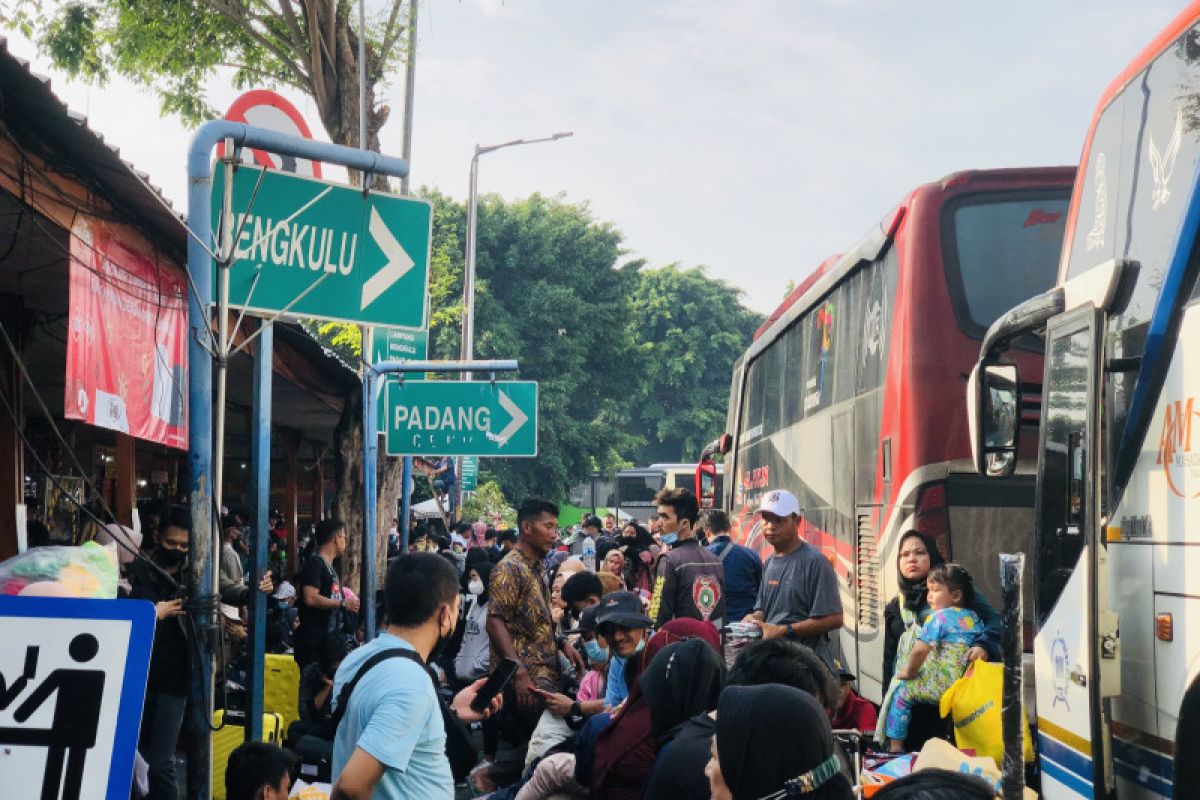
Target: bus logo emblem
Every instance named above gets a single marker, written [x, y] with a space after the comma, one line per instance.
[1060, 660]
[1175, 454]
[1163, 164]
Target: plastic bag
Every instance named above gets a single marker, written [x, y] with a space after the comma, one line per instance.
[975, 701]
[88, 571]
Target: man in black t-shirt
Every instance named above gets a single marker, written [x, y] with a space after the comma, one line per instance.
[321, 602]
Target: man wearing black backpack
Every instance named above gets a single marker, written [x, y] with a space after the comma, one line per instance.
[392, 732]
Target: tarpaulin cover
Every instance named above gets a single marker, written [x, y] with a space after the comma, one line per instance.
[126, 344]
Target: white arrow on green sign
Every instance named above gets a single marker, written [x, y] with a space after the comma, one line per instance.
[326, 251]
[461, 418]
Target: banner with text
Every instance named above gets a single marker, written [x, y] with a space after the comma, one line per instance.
[127, 339]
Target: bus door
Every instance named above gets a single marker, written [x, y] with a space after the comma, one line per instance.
[1072, 732]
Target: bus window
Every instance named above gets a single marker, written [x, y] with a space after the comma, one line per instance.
[638, 489]
[999, 252]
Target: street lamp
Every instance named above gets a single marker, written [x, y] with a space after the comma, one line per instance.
[468, 323]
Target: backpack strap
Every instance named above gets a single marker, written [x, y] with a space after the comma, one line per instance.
[725, 552]
[460, 750]
[383, 655]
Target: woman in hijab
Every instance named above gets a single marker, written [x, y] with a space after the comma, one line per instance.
[682, 681]
[917, 555]
[756, 754]
[625, 750]
[635, 544]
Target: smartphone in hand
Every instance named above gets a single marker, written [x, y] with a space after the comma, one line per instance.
[500, 678]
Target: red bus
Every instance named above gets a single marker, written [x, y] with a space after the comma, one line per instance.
[852, 394]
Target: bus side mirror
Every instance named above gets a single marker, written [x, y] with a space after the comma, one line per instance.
[994, 417]
[706, 483]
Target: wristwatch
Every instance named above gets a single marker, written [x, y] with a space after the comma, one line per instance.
[791, 633]
[576, 711]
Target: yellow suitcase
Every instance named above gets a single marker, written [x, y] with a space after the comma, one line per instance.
[281, 688]
[227, 739]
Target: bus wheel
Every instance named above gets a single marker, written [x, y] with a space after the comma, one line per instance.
[1187, 738]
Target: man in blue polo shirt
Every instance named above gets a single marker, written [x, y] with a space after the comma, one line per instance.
[391, 741]
[743, 568]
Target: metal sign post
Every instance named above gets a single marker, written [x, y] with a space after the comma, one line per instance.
[202, 587]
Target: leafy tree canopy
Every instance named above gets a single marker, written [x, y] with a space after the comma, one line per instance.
[175, 48]
[688, 330]
[633, 363]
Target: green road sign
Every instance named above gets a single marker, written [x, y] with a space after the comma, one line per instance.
[461, 418]
[395, 344]
[470, 474]
[326, 251]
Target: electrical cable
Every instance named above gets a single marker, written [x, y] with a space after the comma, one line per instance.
[20, 362]
[205, 602]
[87, 511]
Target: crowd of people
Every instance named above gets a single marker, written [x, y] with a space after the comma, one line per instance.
[655, 659]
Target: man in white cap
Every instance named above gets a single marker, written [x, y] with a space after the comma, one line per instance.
[798, 598]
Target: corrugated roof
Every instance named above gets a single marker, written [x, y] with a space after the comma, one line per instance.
[45, 125]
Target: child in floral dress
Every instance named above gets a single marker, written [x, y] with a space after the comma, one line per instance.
[939, 654]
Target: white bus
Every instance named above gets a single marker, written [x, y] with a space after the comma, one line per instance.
[1115, 567]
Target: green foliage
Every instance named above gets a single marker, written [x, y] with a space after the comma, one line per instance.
[175, 47]
[548, 294]
[340, 337]
[603, 339]
[487, 503]
[688, 330]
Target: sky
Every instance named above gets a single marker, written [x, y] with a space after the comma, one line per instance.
[754, 138]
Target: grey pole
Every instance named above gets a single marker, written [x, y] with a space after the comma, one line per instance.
[467, 348]
[410, 87]
[200, 578]
[260, 461]
[468, 324]
[362, 79]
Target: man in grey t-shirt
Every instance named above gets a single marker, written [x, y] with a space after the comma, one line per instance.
[798, 597]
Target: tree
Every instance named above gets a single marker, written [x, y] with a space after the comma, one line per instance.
[688, 329]
[550, 293]
[175, 48]
[489, 504]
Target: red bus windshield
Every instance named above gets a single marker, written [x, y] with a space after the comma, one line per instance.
[999, 251]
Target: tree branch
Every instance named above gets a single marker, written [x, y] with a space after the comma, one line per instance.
[298, 42]
[224, 9]
[315, 45]
[304, 87]
[391, 33]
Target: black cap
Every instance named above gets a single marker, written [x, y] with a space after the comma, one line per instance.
[624, 609]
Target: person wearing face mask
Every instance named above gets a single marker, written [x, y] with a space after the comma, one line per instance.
[170, 664]
[393, 738]
[690, 581]
[170, 660]
[474, 657]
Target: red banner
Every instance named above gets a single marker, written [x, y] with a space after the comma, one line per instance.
[127, 342]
